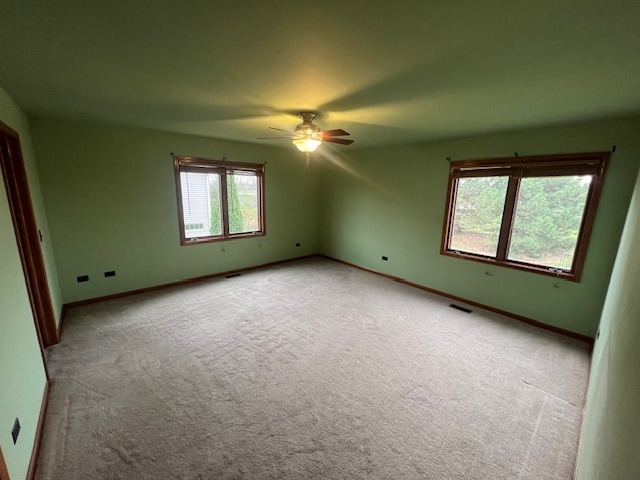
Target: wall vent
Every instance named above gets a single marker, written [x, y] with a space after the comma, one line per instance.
[458, 307]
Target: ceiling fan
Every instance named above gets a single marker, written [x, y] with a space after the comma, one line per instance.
[308, 136]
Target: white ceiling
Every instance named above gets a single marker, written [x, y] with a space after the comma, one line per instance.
[388, 72]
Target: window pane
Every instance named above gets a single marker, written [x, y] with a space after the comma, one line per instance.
[242, 196]
[478, 214]
[215, 205]
[201, 204]
[547, 220]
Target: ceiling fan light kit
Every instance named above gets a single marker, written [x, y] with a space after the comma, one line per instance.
[306, 145]
[308, 136]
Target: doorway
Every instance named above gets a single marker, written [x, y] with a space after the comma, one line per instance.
[28, 236]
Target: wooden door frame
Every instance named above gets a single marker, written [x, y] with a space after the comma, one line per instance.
[4, 471]
[28, 236]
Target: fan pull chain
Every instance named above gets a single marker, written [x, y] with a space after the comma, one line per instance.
[307, 159]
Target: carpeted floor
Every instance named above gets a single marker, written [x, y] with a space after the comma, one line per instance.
[308, 370]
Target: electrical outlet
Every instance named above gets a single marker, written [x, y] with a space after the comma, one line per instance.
[15, 431]
[82, 278]
[385, 258]
[112, 273]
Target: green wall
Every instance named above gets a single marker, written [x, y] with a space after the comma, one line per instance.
[611, 433]
[390, 201]
[22, 375]
[111, 203]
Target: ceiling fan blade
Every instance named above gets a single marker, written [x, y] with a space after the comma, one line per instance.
[334, 133]
[341, 141]
[279, 129]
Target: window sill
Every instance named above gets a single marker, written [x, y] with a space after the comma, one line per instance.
[201, 240]
[527, 267]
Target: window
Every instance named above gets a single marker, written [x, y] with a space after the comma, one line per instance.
[218, 200]
[533, 213]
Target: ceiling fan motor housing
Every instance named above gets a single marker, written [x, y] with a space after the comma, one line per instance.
[307, 129]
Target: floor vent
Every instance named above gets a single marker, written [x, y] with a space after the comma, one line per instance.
[231, 275]
[458, 307]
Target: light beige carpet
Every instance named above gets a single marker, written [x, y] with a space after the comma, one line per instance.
[308, 370]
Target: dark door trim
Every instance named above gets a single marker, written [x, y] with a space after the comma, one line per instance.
[4, 472]
[27, 236]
